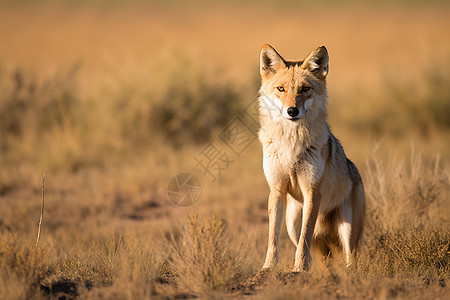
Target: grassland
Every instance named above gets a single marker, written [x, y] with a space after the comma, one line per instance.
[116, 100]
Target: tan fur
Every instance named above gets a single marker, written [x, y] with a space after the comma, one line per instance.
[304, 164]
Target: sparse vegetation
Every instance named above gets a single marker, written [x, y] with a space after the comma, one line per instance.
[113, 133]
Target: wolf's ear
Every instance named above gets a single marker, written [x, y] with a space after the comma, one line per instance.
[317, 62]
[270, 61]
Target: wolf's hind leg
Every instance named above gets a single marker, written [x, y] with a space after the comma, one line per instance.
[358, 215]
[344, 229]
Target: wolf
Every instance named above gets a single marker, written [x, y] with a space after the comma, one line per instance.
[304, 164]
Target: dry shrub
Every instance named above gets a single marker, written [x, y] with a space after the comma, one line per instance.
[43, 119]
[205, 258]
[131, 263]
[29, 102]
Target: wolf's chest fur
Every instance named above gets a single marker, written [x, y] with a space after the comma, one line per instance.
[292, 150]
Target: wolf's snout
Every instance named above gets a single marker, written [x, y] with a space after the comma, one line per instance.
[292, 111]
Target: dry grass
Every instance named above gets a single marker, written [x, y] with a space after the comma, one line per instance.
[408, 213]
[22, 267]
[405, 251]
[115, 128]
[205, 259]
[417, 191]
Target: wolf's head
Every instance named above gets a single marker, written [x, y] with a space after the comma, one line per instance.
[293, 88]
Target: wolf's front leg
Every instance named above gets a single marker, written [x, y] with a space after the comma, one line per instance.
[310, 212]
[277, 199]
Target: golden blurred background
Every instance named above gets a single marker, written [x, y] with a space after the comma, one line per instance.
[115, 98]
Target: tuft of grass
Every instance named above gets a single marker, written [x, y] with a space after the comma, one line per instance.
[22, 267]
[117, 266]
[203, 257]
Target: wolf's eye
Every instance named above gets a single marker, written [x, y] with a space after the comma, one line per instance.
[305, 89]
[280, 88]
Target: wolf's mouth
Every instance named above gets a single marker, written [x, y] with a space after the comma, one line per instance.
[293, 119]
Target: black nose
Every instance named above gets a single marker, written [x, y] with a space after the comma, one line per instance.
[292, 111]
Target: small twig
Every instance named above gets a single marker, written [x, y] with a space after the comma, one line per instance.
[42, 210]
